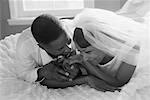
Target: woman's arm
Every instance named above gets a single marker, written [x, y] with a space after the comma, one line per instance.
[94, 70]
[124, 74]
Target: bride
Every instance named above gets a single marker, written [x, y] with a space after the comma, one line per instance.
[110, 44]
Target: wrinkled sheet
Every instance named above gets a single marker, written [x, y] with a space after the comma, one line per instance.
[13, 88]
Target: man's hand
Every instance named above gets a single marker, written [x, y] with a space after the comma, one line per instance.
[57, 84]
[52, 72]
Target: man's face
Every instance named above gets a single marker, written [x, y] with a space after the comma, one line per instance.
[57, 47]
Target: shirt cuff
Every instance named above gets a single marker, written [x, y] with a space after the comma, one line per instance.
[36, 75]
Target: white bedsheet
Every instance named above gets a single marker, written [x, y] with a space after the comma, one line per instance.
[13, 88]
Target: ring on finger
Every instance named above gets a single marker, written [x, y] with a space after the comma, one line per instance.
[72, 67]
[70, 79]
[66, 73]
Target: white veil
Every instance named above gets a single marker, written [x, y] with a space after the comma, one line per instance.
[114, 34]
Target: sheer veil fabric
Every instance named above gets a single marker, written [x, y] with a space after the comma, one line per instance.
[114, 34]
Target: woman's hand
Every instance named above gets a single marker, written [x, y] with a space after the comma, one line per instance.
[93, 55]
[73, 70]
[71, 65]
[100, 85]
[75, 59]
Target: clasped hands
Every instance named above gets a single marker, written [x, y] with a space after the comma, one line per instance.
[59, 70]
[55, 72]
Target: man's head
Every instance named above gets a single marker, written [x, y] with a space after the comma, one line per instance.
[48, 32]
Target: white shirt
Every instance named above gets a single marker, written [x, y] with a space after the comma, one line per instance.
[30, 56]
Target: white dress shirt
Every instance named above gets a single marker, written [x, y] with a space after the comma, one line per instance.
[30, 56]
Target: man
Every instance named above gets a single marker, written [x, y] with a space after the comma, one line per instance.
[40, 44]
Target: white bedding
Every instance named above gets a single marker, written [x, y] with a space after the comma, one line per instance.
[13, 88]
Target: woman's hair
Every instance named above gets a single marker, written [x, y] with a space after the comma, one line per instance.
[46, 28]
[79, 38]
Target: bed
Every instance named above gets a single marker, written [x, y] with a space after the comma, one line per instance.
[12, 88]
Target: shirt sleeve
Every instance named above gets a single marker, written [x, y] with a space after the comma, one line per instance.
[29, 75]
[28, 59]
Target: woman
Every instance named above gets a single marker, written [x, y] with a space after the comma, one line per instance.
[112, 44]
[99, 63]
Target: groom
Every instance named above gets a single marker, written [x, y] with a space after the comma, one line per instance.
[38, 46]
